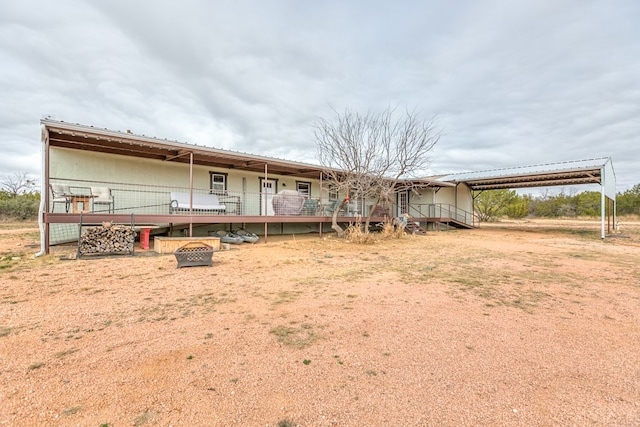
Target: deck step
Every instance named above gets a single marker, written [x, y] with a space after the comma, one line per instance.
[414, 228]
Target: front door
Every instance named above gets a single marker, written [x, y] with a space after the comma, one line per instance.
[403, 203]
[268, 190]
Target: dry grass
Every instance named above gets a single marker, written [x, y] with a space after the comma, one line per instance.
[516, 323]
[355, 233]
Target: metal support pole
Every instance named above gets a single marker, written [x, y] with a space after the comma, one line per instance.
[264, 200]
[602, 209]
[191, 194]
[320, 205]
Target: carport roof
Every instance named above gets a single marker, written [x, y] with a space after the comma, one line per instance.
[588, 171]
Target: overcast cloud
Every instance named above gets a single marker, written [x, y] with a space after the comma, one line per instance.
[512, 83]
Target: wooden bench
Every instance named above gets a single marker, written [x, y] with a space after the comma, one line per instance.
[168, 245]
[180, 202]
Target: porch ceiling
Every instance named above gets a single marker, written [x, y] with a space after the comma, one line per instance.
[79, 137]
[89, 138]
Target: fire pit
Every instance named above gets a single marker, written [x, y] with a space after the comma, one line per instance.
[194, 254]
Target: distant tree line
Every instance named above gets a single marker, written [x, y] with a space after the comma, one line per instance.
[493, 204]
[19, 198]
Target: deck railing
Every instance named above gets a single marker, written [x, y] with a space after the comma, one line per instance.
[144, 199]
[141, 199]
[441, 211]
[152, 204]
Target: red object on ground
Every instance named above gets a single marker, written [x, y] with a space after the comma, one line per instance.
[144, 238]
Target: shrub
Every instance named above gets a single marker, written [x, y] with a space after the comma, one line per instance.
[356, 234]
[389, 231]
[20, 208]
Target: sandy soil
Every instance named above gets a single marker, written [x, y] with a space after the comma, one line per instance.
[516, 323]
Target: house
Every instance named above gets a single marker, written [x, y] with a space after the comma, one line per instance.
[151, 181]
[91, 175]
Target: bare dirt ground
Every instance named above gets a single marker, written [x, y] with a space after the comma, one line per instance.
[528, 323]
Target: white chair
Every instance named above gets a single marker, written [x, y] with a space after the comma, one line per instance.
[60, 194]
[102, 196]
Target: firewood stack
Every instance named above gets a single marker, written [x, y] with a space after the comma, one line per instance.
[107, 238]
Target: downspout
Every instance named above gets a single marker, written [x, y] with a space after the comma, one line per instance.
[44, 193]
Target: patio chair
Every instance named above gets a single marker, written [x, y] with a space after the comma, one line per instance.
[60, 194]
[328, 209]
[103, 196]
[310, 207]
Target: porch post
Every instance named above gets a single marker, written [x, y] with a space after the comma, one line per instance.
[608, 215]
[191, 194]
[602, 208]
[320, 203]
[264, 200]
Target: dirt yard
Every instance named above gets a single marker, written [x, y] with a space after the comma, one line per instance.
[528, 323]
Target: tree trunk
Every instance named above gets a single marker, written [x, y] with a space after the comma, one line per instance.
[334, 219]
[370, 214]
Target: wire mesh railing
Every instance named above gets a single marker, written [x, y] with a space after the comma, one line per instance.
[73, 196]
[441, 211]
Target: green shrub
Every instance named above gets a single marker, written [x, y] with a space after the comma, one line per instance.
[20, 208]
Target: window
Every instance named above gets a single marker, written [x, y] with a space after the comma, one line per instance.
[333, 192]
[218, 182]
[304, 188]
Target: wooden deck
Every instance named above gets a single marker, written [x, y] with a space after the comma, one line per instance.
[145, 219]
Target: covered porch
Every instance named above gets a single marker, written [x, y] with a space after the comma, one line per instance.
[148, 205]
[125, 178]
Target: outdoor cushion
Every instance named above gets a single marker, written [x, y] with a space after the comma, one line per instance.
[205, 202]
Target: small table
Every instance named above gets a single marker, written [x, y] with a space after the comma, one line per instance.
[84, 199]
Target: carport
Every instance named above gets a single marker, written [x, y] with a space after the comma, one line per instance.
[577, 172]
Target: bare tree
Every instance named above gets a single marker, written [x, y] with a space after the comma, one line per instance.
[370, 156]
[18, 183]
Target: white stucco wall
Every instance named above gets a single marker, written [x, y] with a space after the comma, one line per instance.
[464, 199]
[446, 195]
[86, 165]
[126, 174]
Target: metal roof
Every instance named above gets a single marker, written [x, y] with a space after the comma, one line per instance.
[82, 137]
[90, 138]
[588, 171]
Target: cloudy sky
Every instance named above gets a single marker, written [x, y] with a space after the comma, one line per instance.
[512, 83]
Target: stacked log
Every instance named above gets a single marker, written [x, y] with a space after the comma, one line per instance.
[107, 238]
